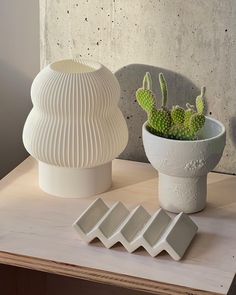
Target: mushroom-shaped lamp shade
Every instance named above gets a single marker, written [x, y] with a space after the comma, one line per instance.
[75, 128]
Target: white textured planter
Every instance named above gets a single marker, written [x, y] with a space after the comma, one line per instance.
[75, 128]
[183, 166]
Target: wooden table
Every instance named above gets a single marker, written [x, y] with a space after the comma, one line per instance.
[36, 233]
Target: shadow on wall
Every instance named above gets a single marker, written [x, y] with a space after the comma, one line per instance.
[181, 90]
[15, 105]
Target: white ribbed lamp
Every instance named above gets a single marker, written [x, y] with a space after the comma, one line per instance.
[75, 128]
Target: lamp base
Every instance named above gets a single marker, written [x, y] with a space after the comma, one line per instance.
[74, 182]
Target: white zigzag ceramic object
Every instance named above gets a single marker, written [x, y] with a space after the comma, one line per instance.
[136, 228]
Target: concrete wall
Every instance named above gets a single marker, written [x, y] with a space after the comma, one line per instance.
[19, 62]
[192, 41]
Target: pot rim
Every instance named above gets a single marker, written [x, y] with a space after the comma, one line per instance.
[189, 141]
[94, 65]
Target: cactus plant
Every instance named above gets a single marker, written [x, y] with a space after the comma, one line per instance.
[179, 123]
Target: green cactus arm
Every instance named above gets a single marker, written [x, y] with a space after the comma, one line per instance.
[196, 122]
[200, 104]
[180, 132]
[203, 91]
[160, 120]
[164, 89]
[154, 131]
[188, 113]
[145, 97]
[147, 81]
[177, 115]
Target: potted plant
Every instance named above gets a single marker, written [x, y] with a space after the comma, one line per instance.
[184, 145]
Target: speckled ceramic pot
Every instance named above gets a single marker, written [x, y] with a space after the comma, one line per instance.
[183, 166]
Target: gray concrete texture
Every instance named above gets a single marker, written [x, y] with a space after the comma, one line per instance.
[192, 41]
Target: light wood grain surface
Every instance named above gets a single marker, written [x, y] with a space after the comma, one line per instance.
[36, 232]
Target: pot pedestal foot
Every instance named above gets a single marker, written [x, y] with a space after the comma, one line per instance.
[182, 194]
[74, 182]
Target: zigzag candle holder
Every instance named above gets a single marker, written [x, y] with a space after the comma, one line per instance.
[136, 229]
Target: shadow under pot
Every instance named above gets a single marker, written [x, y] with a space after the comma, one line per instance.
[183, 166]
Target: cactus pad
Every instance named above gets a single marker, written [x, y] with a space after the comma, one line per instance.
[160, 120]
[144, 95]
[146, 99]
[188, 113]
[196, 122]
[164, 89]
[181, 133]
[178, 115]
[153, 131]
[200, 104]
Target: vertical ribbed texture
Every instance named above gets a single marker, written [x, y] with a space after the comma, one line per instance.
[75, 120]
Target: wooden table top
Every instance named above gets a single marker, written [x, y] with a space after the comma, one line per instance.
[36, 232]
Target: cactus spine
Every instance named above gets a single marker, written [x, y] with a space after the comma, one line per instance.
[179, 123]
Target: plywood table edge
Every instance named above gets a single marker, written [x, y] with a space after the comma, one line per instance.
[98, 276]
